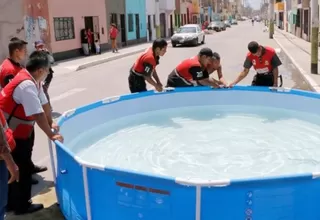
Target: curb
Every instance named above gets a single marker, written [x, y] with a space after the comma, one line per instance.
[313, 84]
[108, 59]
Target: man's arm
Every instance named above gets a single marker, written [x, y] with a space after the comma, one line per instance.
[148, 72]
[4, 148]
[156, 77]
[202, 77]
[46, 106]
[275, 62]
[246, 67]
[220, 75]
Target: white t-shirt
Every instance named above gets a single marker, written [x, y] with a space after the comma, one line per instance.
[30, 97]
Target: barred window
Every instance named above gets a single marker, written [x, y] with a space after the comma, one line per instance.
[64, 28]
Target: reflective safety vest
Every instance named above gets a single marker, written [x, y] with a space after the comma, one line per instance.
[8, 132]
[18, 122]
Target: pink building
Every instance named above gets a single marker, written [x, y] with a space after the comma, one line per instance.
[57, 22]
[66, 20]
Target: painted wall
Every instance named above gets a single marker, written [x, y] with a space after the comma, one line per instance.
[83, 8]
[136, 7]
[36, 23]
[11, 24]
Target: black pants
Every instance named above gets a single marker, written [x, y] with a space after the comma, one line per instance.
[136, 83]
[263, 80]
[19, 193]
[175, 81]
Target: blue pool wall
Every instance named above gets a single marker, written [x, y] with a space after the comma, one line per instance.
[89, 191]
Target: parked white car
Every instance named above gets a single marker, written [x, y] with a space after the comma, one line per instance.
[190, 34]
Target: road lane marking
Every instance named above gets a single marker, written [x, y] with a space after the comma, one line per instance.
[67, 94]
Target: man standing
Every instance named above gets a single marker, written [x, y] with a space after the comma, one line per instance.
[192, 71]
[39, 45]
[24, 103]
[7, 144]
[12, 65]
[265, 61]
[144, 68]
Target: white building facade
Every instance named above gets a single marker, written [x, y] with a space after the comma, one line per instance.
[167, 17]
[151, 19]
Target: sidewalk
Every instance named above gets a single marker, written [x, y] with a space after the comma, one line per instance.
[79, 63]
[299, 52]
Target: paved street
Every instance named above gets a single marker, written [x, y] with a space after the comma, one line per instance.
[73, 89]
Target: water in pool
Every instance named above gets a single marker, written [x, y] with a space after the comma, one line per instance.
[209, 142]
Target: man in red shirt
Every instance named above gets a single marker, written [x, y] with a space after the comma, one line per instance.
[12, 65]
[265, 61]
[144, 68]
[192, 71]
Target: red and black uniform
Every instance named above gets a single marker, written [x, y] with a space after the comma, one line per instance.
[8, 70]
[187, 73]
[263, 65]
[22, 127]
[144, 66]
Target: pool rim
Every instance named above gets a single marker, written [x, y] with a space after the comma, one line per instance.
[183, 181]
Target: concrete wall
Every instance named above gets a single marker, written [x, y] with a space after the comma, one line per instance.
[136, 7]
[11, 23]
[83, 8]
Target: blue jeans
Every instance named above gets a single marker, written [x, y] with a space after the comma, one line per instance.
[3, 188]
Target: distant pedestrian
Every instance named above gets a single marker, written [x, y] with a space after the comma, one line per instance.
[113, 37]
[84, 42]
[90, 39]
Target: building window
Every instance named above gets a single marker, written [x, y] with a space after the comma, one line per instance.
[64, 28]
[130, 22]
[154, 21]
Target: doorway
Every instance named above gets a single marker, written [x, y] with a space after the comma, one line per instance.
[88, 24]
[123, 29]
[188, 16]
[149, 28]
[137, 27]
[171, 25]
[163, 25]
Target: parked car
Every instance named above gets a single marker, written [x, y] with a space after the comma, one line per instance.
[188, 34]
[234, 22]
[215, 25]
[223, 26]
[227, 23]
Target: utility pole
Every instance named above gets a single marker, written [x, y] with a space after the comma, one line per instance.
[314, 36]
[271, 18]
[157, 21]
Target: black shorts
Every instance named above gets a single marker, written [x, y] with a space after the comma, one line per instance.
[175, 81]
[263, 80]
[136, 83]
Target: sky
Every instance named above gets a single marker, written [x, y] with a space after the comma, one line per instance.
[255, 4]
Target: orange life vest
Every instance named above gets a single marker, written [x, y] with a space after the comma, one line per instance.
[8, 132]
[21, 125]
